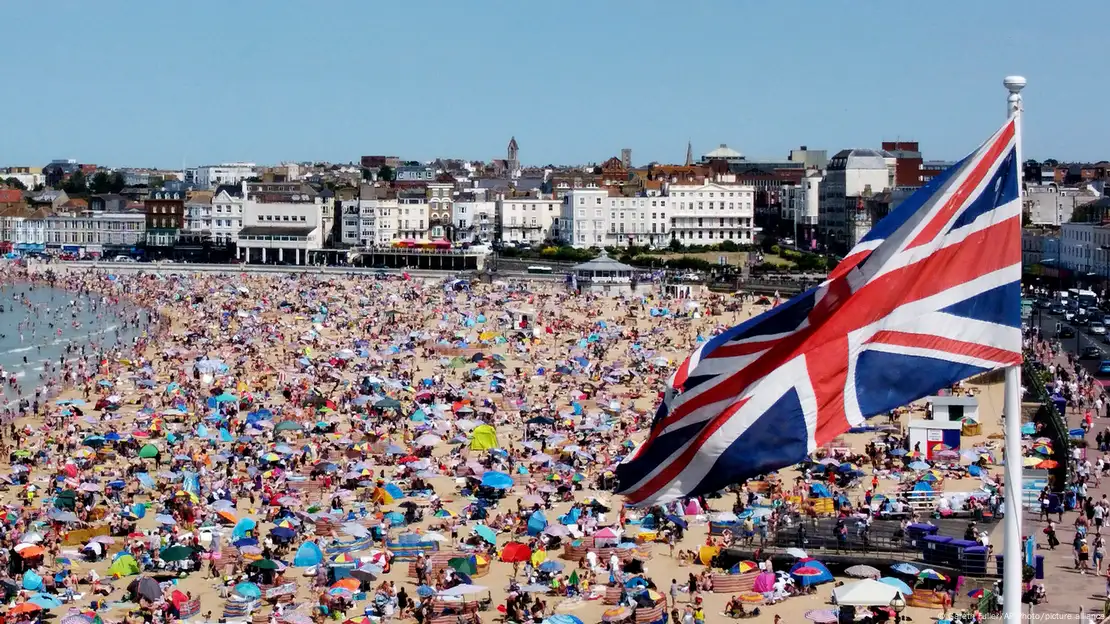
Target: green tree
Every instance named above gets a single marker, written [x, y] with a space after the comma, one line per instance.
[387, 174]
[675, 245]
[101, 183]
[117, 183]
[76, 184]
[15, 183]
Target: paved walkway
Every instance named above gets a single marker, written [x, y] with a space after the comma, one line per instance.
[1067, 589]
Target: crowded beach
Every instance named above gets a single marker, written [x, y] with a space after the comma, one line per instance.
[296, 449]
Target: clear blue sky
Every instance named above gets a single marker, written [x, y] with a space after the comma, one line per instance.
[152, 83]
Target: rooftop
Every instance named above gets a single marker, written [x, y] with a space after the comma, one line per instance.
[603, 263]
[723, 151]
[859, 158]
[284, 230]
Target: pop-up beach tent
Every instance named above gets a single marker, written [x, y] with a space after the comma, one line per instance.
[483, 438]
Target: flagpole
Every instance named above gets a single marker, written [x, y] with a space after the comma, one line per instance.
[1013, 559]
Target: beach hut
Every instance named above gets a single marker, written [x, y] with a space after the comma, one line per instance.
[933, 436]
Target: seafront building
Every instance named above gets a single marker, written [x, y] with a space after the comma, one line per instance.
[291, 211]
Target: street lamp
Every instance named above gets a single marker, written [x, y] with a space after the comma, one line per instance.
[898, 604]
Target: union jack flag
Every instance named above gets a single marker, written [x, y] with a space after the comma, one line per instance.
[929, 297]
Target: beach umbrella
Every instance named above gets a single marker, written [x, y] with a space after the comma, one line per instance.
[425, 592]
[145, 587]
[283, 533]
[387, 403]
[288, 425]
[807, 571]
[931, 575]
[898, 584]
[486, 533]
[551, 566]
[822, 616]
[367, 573]
[165, 520]
[497, 480]
[863, 571]
[63, 516]
[149, 451]
[355, 530]
[77, 618]
[265, 564]
[563, 618]
[176, 553]
[341, 592]
[225, 398]
[918, 465]
[343, 559]
[466, 565]
[906, 568]
[976, 593]
[26, 607]
[248, 590]
[797, 553]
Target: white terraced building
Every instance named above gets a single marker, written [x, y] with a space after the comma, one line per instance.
[693, 214]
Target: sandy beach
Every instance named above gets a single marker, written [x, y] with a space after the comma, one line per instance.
[276, 399]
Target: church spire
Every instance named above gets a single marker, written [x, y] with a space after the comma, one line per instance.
[689, 153]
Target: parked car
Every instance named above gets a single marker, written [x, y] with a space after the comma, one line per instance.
[1090, 353]
[1104, 368]
[123, 259]
[1097, 328]
[1066, 332]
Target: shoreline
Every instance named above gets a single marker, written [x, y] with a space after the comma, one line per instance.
[56, 388]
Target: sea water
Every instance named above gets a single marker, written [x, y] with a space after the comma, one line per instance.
[39, 326]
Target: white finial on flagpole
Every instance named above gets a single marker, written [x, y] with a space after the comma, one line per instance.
[1014, 84]
[1013, 549]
